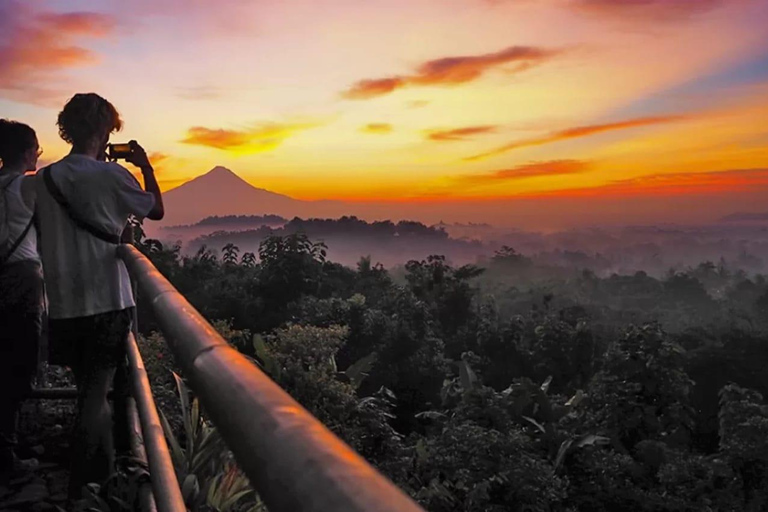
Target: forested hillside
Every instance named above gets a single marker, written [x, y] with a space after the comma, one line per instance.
[508, 386]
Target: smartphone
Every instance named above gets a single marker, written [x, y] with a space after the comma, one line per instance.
[115, 151]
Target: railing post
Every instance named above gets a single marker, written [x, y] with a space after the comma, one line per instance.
[120, 383]
[165, 486]
[146, 498]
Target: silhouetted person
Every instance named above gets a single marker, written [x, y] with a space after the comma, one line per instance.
[21, 283]
[83, 206]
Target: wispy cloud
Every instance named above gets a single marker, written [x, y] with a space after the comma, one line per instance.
[377, 128]
[531, 170]
[259, 138]
[457, 134]
[715, 183]
[577, 132]
[199, 92]
[200, 17]
[158, 158]
[658, 10]
[170, 169]
[452, 71]
[417, 103]
[674, 184]
[36, 46]
[373, 87]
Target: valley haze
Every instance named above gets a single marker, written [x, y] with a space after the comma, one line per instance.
[234, 211]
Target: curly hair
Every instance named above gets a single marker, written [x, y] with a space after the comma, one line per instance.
[15, 140]
[87, 116]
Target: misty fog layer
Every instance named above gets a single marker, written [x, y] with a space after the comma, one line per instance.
[603, 250]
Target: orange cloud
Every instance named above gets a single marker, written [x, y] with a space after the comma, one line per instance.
[574, 133]
[674, 184]
[455, 134]
[532, 170]
[451, 71]
[696, 184]
[216, 138]
[377, 128]
[258, 139]
[171, 170]
[78, 23]
[36, 46]
[158, 160]
[371, 88]
[660, 10]
[158, 156]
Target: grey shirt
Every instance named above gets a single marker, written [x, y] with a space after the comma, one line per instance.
[83, 274]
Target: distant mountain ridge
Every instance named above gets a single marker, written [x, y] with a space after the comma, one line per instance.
[221, 192]
[233, 221]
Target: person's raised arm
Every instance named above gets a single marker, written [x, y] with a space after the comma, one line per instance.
[138, 157]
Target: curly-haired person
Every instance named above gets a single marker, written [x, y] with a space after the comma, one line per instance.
[83, 206]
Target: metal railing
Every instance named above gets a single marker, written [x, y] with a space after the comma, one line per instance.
[292, 460]
[166, 493]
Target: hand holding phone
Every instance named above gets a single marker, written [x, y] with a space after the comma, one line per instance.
[138, 157]
[131, 152]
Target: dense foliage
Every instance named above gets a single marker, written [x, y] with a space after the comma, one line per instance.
[496, 388]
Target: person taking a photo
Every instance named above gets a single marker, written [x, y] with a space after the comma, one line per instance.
[84, 203]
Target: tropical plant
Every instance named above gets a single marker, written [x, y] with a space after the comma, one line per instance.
[248, 260]
[120, 493]
[209, 478]
[230, 491]
[230, 254]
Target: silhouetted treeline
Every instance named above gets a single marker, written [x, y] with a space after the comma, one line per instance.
[242, 219]
[347, 238]
[236, 220]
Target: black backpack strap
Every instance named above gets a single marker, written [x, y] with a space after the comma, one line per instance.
[32, 221]
[8, 183]
[74, 217]
[5, 257]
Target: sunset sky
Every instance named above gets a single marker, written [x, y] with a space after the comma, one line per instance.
[416, 101]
